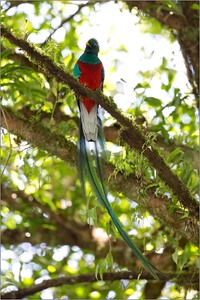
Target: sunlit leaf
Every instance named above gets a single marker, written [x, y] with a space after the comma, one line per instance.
[175, 256]
[176, 153]
[109, 260]
[154, 102]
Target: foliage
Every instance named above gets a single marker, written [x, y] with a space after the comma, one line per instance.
[48, 231]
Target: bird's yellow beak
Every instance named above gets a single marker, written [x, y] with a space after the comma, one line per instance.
[88, 44]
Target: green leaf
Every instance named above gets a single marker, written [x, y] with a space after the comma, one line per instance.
[155, 102]
[175, 256]
[92, 216]
[71, 61]
[5, 53]
[97, 270]
[110, 229]
[176, 153]
[159, 241]
[150, 25]
[183, 260]
[54, 90]
[172, 241]
[144, 85]
[102, 269]
[48, 106]
[109, 260]
[195, 6]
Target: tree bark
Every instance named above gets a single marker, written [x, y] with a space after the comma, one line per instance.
[65, 280]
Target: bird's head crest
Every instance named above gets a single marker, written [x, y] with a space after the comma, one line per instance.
[92, 46]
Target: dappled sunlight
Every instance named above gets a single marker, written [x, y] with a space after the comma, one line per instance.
[100, 236]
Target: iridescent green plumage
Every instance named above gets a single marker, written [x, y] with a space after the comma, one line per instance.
[95, 178]
[90, 165]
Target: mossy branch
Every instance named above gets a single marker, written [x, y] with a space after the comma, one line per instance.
[132, 133]
[39, 136]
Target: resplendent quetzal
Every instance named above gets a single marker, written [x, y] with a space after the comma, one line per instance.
[90, 72]
[89, 69]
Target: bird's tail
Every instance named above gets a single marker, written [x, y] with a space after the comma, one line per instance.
[95, 178]
[89, 121]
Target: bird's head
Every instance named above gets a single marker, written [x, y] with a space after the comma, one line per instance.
[92, 46]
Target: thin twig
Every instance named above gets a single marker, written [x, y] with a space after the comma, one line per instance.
[64, 21]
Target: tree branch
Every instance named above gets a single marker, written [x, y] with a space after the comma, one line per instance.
[112, 133]
[17, 2]
[42, 137]
[78, 234]
[66, 20]
[132, 134]
[85, 278]
[39, 136]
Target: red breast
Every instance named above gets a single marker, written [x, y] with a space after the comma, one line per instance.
[91, 76]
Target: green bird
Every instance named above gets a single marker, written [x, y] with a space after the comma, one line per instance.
[90, 72]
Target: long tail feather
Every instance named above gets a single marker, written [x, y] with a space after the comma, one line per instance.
[82, 158]
[95, 178]
[100, 193]
[100, 154]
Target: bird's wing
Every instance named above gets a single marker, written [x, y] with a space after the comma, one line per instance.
[77, 71]
[102, 74]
